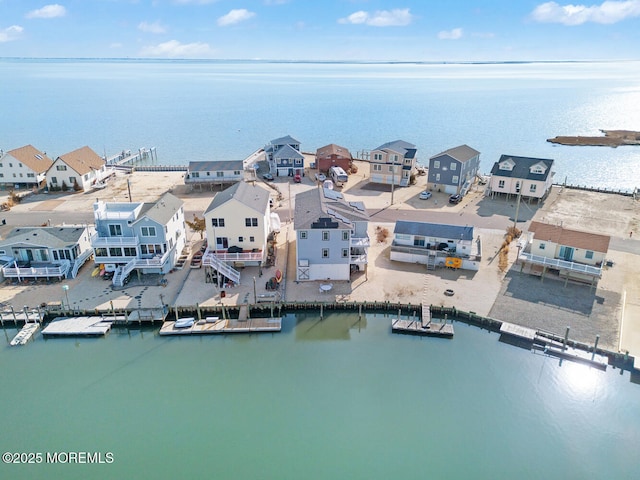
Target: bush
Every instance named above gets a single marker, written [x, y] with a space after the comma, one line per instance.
[64, 186]
[76, 187]
[381, 234]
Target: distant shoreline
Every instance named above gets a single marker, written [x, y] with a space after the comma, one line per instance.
[611, 138]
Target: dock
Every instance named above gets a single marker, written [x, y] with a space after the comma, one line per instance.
[558, 350]
[25, 334]
[214, 325]
[424, 327]
[78, 326]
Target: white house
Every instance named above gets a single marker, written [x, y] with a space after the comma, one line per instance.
[331, 236]
[393, 163]
[214, 172]
[436, 245]
[25, 167]
[529, 177]
[147, 237]
[82, 167]
[46, 252]
[238, 224]
[571, 253]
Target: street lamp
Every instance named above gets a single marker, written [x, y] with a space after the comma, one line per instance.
[66, 293]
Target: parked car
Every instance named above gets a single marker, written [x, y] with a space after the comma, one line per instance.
[321, 177]
[268, 177]
[234, 249]
[426, 195]
[297, 178]
[455, 198]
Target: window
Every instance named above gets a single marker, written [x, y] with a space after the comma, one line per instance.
[325, 235]
[240, 239]
[377, 156]
[1, 175]
[454, 166]
[251, 222]
[61, 168]
[54, 180]
[100, 252]
[148, 231]
[588, 254]
[21, 175]
[219, 174]
[394, 158]
[217, 222]
[390, 168]
[31, 175]
[252, 239]
[345, 235]
[455, 179]
[542, 246]
[86, 177]
[501, 184]
[325, 253]
[14, 175]
[151, 249]
[115, 251]
[236, 172]
[115, 230]
[11, 164]
[532, 188]
[377, 168]
[418, 241]
[345, 252]
[195, 174]
[19, 164]
[208, 174]
[437, 177]
[303, 234]
[130, 252]
[517, 187]
[72, 180]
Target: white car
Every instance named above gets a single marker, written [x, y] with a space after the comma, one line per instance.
[321, 177]
[426, 195]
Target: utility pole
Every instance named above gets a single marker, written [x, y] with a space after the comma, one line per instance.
[129, 190]
[515, 220]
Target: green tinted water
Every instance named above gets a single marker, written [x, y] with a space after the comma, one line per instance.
[331, 399]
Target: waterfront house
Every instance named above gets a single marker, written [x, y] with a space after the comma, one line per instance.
[77, 170]
[436, 245]
[146, 237]
[284, 157]
[214, 173]
[46, 252]
[238, 224]
[331, 236]
[453, 171]
[571, 254]
[529, 177]
[333, 155]
[393, 163]
[23, 167]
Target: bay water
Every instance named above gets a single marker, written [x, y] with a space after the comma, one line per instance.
[337, 398]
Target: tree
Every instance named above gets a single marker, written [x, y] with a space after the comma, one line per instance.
[197, 225]
[64, 186]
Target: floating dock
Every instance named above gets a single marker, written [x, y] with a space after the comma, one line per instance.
[214, 325]
[425, 326]
[25, 334]
[78, 326]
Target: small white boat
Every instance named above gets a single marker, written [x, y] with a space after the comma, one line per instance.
[99, 185]
[184, 322]
[212, 319]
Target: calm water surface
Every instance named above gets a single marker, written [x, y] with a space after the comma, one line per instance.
[323, 399]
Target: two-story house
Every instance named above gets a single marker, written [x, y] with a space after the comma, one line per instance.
[25, 167]
[333, 155]
[238, 224]
[393, 163]
[453, 170]
[436, 245]
[146, 237]
[214, 173]
[529, 177]
[46, 252]
[331, 236]
[284, 157]
[77, 170]
[572, 254]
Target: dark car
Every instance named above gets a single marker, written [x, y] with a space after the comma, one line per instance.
[268, 177]
[234, 249]
[455, 198]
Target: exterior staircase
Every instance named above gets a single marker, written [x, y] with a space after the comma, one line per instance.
[122, 272]
[211, 260]
[431, 262]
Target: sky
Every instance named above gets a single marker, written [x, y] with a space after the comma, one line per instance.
[323, 30]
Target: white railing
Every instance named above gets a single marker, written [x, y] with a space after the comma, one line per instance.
[360, 242]
[239, 257]
[557, 263]
[210, 259]
[359, 259]
[106, 242]
[103, 214]
[79, 261]
[153, 262]
[56, 270]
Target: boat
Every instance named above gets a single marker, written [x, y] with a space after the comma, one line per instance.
[184, 322]
[99, 185]
[278, 276]
[211, 319]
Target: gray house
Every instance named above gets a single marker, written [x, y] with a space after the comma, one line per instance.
[214, 173]
[453, 170]
[331, 236]
[284, 157]
[147, 237]
[436, 245]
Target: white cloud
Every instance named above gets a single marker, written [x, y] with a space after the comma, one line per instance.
[607, 12]
[235, 16]
[10, 33]
[154, 27]
[453, 34]
[175, 49]
[398, 17]
[48, 11]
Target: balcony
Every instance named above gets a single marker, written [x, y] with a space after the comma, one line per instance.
[238, 257]
[561, 264]
[46, 270]
[359, 241]
[359, 259]
[119, 241]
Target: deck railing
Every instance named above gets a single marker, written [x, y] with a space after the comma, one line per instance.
[561, 264]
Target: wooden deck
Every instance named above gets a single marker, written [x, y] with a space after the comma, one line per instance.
[518, 331]
[420, 327]
[210, 326]
[78, 326]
